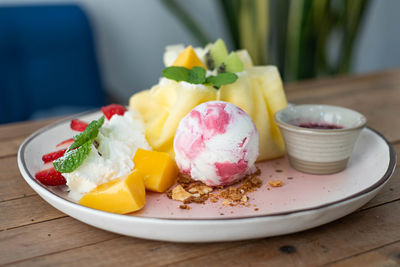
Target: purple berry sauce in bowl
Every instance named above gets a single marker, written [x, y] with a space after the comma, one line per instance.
[319, 138]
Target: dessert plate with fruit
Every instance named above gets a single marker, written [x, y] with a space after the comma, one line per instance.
[199, 157]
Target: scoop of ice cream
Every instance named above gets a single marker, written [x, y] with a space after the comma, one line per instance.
[216, 143]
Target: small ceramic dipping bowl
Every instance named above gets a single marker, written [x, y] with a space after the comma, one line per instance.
[319, 138]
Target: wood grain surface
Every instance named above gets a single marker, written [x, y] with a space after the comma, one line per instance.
[34, 233]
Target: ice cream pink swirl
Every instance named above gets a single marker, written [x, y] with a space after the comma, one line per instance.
[216, 143]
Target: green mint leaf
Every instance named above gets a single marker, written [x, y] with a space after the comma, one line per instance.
[222, 79]
[176, 73]
[89, 134]
[197, 75]
[73, 159]
[80, 148]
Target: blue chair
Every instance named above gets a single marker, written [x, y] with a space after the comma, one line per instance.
[47, 62]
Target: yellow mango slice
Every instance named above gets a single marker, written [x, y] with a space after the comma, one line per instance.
[162, 108]
[158, 168]
[188, 59]
[121, 195]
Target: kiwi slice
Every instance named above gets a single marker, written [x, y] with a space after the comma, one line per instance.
[216, 55]
[232, 63]
[209, 61]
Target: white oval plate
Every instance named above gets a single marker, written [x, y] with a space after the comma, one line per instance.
[304, 201]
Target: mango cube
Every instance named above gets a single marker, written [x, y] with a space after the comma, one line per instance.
[122, 195]
[188, 59]
[158, 168]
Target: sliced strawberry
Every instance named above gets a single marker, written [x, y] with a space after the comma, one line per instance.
[113, 109]
[49, 157]
[49, 176]
[65, 144]
[78, 125]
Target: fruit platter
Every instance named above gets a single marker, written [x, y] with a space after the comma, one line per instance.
[199, 157]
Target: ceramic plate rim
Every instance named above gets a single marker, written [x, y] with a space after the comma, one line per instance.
[44, 190]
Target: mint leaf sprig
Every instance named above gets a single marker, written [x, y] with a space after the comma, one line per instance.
[72, 159]
[89, 134]
[222, 79]
[80, 148]
[197, 75]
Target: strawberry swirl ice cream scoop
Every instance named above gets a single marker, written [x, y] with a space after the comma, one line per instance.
[216, 143]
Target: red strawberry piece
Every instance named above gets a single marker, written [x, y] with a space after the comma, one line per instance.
[49, 157]
[49, 176]
[113, 109]
[65, 144]
[78, 125]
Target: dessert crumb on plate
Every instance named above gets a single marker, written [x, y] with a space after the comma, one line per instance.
[191, 191]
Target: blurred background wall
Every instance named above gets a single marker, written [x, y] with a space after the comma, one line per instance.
[130, 37]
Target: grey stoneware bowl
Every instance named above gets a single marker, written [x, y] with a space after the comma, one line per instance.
[319, 138]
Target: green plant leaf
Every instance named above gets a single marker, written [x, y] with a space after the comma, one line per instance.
[80, 148]
[90, 133]
[197, 75]
[222, 79]
[176, 73]
[73, 159]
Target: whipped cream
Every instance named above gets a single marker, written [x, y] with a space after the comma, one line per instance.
[185, 85]
[118, 139]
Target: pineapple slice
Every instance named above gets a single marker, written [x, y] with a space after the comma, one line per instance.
[245, 57]
[163, 107]
[238, 93]
[270, 83]
[267, 82]
[260, 94]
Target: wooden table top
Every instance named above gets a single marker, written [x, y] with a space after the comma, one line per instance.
[34, 233]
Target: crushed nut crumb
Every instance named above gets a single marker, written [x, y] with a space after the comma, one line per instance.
[180, 194]
[275, 183]
[184, 207]
[214, 199]
[226, 202]
[190, 191]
